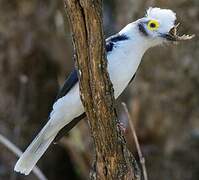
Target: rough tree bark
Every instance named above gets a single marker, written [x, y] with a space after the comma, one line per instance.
[113, 160]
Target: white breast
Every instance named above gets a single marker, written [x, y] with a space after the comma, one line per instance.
[122, 65]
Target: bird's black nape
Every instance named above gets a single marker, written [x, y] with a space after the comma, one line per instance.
[110, 42]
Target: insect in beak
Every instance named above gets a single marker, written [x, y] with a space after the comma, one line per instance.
[173, 36]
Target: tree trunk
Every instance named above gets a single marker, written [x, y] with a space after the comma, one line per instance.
[113, 160]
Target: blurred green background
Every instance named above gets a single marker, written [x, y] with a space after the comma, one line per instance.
[36, 57]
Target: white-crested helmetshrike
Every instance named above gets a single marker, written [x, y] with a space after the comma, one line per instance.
[124, 54]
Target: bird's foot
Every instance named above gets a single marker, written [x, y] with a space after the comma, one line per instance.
[122, 127]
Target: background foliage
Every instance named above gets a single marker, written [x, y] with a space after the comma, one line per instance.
[36, 57]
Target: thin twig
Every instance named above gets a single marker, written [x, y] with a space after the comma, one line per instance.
[18, 152]
[141, 157]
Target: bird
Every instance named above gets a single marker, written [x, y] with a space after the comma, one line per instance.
[124, 52]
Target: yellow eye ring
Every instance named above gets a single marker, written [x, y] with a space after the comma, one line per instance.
[153, 25]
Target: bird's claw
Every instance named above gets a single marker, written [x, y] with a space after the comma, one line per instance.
[122, 127]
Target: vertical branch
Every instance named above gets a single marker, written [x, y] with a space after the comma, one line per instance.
[113, 161]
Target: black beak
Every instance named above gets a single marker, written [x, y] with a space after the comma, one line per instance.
[169, 37]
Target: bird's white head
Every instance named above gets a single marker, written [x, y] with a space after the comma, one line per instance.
[157, 24]
[156, 27]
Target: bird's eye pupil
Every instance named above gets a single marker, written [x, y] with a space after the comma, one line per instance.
[152, 25]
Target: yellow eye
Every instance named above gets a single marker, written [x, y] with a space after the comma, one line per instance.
[153, 25]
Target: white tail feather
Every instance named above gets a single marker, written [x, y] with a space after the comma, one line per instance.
[34, 151]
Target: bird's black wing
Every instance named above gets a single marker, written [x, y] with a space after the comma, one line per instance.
[68, 84]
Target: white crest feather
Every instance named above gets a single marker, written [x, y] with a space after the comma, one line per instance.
[165, 17]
